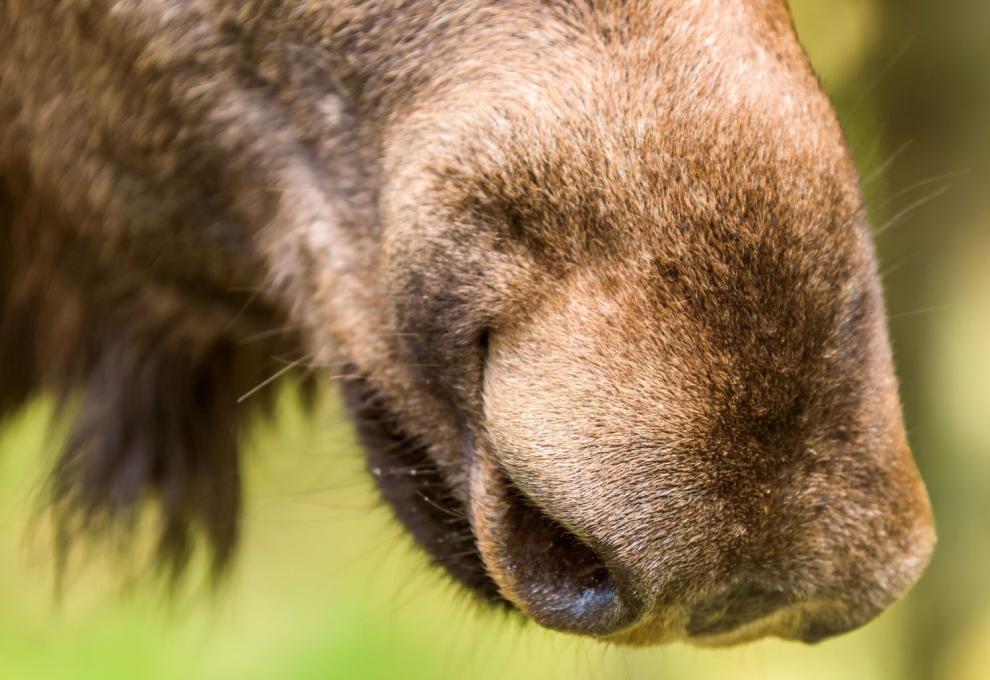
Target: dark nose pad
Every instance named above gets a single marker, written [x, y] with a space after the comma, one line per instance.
[742, 604]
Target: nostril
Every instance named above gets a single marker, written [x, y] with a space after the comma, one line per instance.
[549, 573]
[562, 580]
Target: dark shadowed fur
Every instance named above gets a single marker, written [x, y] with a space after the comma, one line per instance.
[150, 377]
[599, 273]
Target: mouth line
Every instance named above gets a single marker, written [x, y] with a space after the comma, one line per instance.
[418, 495]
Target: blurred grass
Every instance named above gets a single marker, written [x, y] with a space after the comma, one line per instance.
[327, 586]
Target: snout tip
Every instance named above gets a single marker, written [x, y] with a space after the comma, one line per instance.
[568, 580]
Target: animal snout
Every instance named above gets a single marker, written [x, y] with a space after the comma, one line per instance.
[623, 580]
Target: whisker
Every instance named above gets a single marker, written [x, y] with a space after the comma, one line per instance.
[240, 312]
[897, 265]
[918, 312]
[455, 555]
[883, 167]
[439, 507]
[345, 376]
[269, 380]
[265, 335]
[931, 196]
[875, 148]
[883, 73]
[925, 182]
[419, 471]
[310, 364]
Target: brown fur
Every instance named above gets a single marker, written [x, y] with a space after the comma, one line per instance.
[599, 269]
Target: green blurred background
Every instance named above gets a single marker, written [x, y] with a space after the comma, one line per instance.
[327, 586]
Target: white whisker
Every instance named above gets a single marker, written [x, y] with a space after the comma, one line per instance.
[911, 208]
[883, 167]
[270, 380]
[918, 312]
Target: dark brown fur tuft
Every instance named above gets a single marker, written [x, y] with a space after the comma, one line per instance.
[151, 381]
